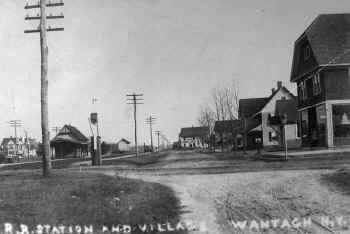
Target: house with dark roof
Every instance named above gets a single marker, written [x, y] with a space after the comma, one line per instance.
[69, 142]
[321, 63]
[194, 137]
[262, 120]
[228, 133]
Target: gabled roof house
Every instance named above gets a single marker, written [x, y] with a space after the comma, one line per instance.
[320, 68]
[261, 118]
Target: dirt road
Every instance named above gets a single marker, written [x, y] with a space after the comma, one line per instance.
[213, 201]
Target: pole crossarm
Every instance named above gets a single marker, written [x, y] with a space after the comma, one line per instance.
[50, 4]
[47, 17]
[48, 30]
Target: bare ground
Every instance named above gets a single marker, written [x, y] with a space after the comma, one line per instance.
[217, 199]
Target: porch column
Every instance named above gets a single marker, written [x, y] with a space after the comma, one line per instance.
[329, 114]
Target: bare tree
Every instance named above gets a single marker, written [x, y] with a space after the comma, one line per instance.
[232, 106]
[223, 105]
[207, 119]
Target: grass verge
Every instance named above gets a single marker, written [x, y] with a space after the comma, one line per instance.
[72, 198]
[142, 160]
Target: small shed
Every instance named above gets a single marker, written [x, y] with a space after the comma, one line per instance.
[70, 142]
[123, 145]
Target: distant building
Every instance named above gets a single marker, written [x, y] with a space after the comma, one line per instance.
[321, 70]
[262, 119]
[69, 142]
[228, 133]
[123, 145]
[194, 137]
[19, 148]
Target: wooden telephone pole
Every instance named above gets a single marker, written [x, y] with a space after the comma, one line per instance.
[15, 124]
[150, 120]
[134, 99]
[44, 71]
[158, 133]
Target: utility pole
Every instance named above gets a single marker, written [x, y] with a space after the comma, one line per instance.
[150, 121]
[56, 129]
[44, 71]
[158, 133]
[15, 124]
[96, 153]
[27, 143]
[134, 99]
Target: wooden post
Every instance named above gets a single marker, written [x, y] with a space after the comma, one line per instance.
[44, 91]
[134, 101]
[98, 151]
[135, 121]
[92, 149]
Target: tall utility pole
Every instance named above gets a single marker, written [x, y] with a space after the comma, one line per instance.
[15, 124]
[150, 121]
[44, 70]
[56, 129]
[134, 99]
[157, 133]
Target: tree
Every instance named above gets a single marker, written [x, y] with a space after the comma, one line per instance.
[207, 119]
[223, 105]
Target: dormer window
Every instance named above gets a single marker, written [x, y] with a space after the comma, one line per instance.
[307, 52]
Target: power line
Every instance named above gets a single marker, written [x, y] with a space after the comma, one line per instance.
[150, 121]
[135, 99]
[42, 29]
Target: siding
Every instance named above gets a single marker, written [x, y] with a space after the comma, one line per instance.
[337, 84]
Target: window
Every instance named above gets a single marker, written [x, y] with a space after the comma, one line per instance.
[302, 90]
[270, 136]
[341, 124]
[316, 84]
[307, 52]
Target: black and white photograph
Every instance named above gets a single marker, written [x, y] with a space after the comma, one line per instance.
[174, 116]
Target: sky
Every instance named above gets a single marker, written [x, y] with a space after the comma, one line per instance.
[172, 51]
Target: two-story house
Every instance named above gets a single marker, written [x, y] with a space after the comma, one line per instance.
[228, 133]
[261, 120]
[194, 137]
[320, 68]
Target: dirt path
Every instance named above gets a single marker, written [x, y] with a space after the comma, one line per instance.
[196, 198]
[212, 200]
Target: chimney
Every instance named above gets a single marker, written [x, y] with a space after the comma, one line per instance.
[273, 90]
[279, 84]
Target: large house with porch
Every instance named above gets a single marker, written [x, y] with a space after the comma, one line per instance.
[270, 122]
[321, 70]
[194, 137]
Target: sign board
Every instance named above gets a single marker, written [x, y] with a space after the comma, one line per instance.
[93, 118]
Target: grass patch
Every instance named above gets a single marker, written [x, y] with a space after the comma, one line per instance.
[56, 164]
[72, 198]
[142, 160]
